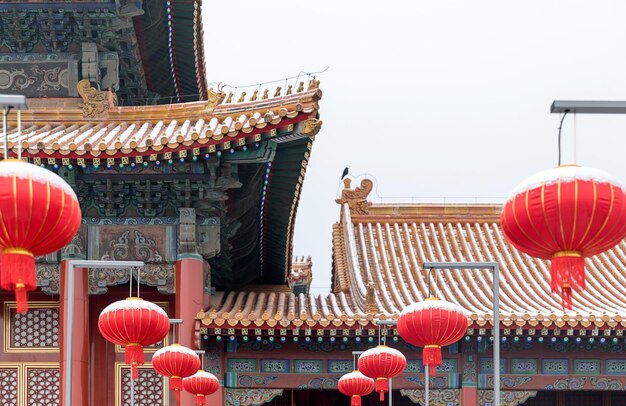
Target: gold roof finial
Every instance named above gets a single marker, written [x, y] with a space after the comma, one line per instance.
[230, 98]
[356, 198]
[265, 94]
[370, 299]
[242, 98]
[289, 89]
[277, 92]
[255, 95]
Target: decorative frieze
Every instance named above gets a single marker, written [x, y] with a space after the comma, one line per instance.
[250, 397]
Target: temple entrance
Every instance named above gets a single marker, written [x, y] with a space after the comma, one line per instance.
[332, 398]
[578, 398]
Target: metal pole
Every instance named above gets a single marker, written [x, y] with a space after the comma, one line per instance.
[69, 322]
[496, 334]
[496, 311]
[426, 385]
[132, 391]
[5, 129]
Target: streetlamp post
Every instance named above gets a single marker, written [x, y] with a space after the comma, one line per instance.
[69, 320]
[493, 266]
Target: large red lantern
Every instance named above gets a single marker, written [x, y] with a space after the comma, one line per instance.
[201, 384]
[382, 363]
[355, 385]
[176, 362]
[133, 323]
[566, 214]
[432, 324]
[39, 214]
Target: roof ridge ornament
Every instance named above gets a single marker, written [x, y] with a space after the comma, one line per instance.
[215, 98]
[96, 103]
[356, 198]
[370, 300]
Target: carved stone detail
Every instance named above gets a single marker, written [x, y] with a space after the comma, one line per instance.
[160, 275]
[96, 103]
[356, 198]
[144, 249]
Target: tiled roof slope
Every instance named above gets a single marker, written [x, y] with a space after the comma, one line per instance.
[59, 129]
[387, 244]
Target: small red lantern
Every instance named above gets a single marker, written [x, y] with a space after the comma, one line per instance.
[432, 324]
[201, 384]
[39, 214]
[382, 363]
[133, 323]
[355, 385]
[176, 362]
[566, 214]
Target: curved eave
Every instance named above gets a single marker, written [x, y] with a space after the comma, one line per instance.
[130, 132]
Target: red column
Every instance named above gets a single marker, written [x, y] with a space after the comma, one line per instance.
[469, 396]
[189, 301]
[80, 336]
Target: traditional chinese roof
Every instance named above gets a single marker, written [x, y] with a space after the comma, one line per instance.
[61, 129]
[386, 245]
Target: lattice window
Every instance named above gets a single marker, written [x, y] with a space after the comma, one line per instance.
[36, 330]
[9, 382]
[148, 389]
[42, 386]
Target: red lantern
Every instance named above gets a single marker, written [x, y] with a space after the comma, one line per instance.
[133, 323]
[39, 214]
[176, 362]
[566, 214]
[432, 324]
[382, 363]
[355, 385]
[201, 384]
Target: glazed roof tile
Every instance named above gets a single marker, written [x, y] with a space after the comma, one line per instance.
[387, 245]
[58, 128]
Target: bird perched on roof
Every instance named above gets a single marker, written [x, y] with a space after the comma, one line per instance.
[345, 173]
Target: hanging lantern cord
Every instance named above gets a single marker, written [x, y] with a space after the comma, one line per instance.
[560, 128]
[138, 280]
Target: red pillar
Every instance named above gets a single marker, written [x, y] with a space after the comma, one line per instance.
[189, 301]
[469, 396]
[80, 336]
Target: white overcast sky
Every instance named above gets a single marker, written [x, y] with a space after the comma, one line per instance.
[433, 99]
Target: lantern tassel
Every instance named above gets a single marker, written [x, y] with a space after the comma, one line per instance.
[382, 386]
[356, 400]
[134, 356]
[176, 384]
[18, 274]
[200, 401]
[432, 358]
[567, 271]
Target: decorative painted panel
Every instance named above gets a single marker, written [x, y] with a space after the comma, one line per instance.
[615, 367]
[555, 366]
[242, 365]
[308, 366]
[524, 366]
[9, 384]
[36, 330]
[131, 242]
[447, 397]
[448, 365]
[148, 390]
[42, 385]
[340, 366]
[413, 365]
[250, 397]
[275, 365]
[486, 365]
[587, 366]
[508, 398]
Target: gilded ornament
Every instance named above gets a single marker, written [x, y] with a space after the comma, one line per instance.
[96, 102]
